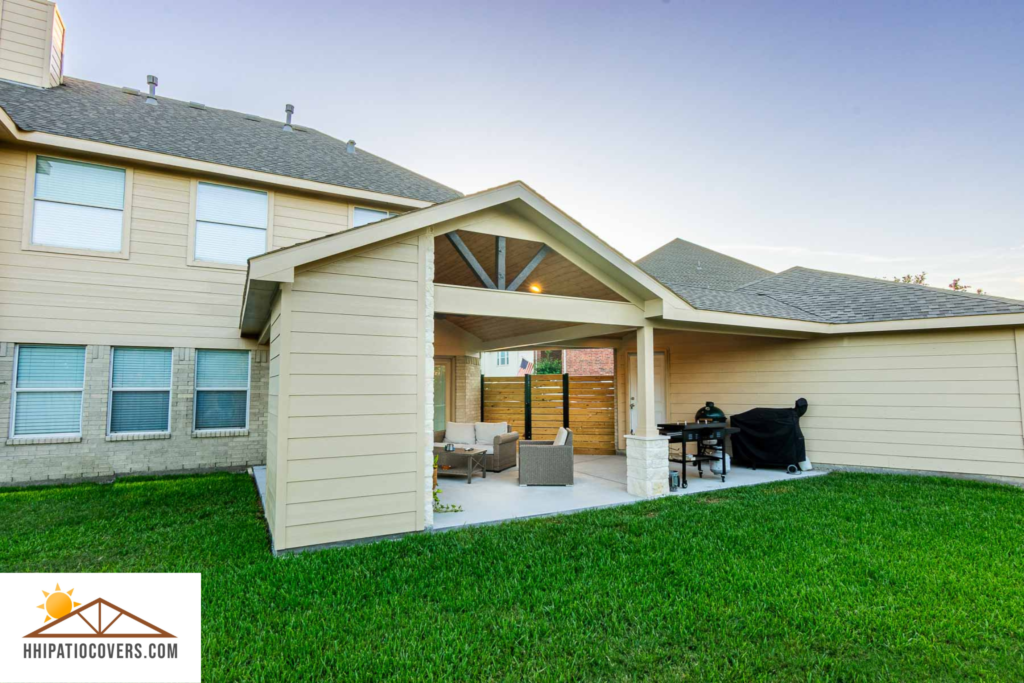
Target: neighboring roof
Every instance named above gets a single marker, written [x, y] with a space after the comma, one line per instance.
[685, 264]
[102, 113]
[728, 285]
[839, 298]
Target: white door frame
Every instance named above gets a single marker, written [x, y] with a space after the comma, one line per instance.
[660, 387]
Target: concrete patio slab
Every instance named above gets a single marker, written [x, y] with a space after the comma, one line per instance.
[600, 482]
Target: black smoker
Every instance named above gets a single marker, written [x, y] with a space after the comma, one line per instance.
[770, 437]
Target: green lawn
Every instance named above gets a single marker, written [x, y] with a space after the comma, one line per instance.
[845, 577]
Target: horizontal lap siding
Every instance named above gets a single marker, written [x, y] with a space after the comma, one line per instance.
[352, 423]
[24, 29]
[941, 401]
[297, 219]
[153, 298]
[273, 396]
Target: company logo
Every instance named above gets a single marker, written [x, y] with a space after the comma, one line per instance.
[101, 628]
[60, 607]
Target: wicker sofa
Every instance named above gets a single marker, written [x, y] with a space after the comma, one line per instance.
[542, 463]
[499, 442]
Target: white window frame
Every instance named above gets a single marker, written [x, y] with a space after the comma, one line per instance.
[352, 214]
[30, 205]
[193, 203]
[196, 390]
[111, 389]
[502, 358]
[15, 391]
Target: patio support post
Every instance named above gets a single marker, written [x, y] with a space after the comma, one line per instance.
[646, 450]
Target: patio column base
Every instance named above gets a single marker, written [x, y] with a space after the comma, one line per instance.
[647, 466]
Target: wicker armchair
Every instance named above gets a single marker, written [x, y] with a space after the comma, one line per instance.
[504, 455]
[541, 463]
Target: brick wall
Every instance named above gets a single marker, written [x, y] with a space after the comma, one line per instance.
[589, 361]
[95, 454]
[467, 389]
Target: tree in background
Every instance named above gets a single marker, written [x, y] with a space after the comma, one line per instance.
[548, 363]
[921, 279]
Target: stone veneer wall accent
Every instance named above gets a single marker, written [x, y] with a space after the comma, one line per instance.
[95, 454]
[467, 389]
[647, 465]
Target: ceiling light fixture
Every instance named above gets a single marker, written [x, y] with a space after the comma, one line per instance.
[535, 289]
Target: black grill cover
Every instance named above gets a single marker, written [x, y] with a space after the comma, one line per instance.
[769, 437]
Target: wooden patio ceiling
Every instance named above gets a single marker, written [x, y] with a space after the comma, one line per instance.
[555, 275]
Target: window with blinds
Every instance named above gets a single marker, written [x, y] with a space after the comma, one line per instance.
[47, 396]
[222, 390]
[366, 216]
[231, 223]
[78, 205]
[140, 391]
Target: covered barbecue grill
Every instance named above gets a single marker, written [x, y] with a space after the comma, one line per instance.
[770, 437]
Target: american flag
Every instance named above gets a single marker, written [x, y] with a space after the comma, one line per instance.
[525, 367]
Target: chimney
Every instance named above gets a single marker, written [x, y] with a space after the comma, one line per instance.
[350, 147]
[289, 109]
[31, 27]
[153, 82]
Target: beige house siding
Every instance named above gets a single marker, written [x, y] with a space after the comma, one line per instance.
[31, 42]
[273, 411]
[947, 401]
[153, 297]
[357, 381]
[297, 219]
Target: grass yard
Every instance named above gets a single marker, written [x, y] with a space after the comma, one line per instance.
[847, 577]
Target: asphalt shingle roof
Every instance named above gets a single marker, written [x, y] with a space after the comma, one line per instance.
[686, 264]
[102, 113]
[728, 285]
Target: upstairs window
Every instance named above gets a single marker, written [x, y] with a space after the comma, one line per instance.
[231, 224]
[502, 357]
[78, 205]
[48, 383]
[366, 216]
[222, 390]
[140, 391]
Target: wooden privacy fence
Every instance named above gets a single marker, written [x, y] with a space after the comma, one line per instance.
[536, 406]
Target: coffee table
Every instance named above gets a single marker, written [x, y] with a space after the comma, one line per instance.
[461, 462]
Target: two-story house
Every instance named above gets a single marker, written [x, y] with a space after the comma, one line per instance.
[185, 287]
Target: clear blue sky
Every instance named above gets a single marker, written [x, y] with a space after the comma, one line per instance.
[875, 138]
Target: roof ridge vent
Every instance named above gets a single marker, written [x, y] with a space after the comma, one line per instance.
[350, 146]
[289, 109]
[129, 91]
[197, 105]
[153, 82]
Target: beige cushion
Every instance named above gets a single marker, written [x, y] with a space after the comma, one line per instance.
[562, 436]
[459, 432]
[486, 431]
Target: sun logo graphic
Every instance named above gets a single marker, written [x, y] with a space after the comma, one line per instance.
[66, 618]
[58, 603]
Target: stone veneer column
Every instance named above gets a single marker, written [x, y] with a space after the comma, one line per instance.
[646, 465]
[427, 247]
